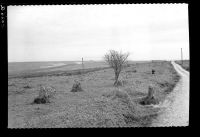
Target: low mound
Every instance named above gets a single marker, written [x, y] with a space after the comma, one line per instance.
[122, 96]
[132, 113]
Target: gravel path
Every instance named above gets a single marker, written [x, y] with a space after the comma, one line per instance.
[176, 105]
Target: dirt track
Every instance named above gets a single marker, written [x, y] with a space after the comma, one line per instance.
[176, 105]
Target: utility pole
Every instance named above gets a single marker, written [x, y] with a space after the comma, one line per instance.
[82, 69]
[82, 64]
[181, 56]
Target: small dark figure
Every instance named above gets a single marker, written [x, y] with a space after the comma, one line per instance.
[153, 71]
[41, 100]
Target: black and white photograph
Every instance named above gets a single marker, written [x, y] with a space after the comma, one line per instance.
[98, 66]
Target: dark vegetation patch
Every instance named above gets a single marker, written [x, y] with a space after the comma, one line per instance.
[153, 71]
[131, 71]
[170, 88]
[76, 87]
[56, 73]
[41, 100]
[150, 98]
[27, 86]
[45, 94]
[143, 121]
[164, 84]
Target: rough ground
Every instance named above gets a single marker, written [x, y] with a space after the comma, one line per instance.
[98, 105]
[176, 104]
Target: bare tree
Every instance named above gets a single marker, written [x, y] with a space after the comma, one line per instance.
[116, 60]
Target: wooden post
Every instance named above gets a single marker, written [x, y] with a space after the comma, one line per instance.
[82, 70]
[150, 93]
[82, 64]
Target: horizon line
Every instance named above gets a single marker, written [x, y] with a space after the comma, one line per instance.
[89, 60]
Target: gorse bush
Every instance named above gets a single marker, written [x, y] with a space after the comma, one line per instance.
[76, 87]
[45, 93]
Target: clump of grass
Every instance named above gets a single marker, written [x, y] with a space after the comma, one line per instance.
[170, 87]
[140, 120]
[45, 93]
[76, 87]
[176, 78]
[163, 84]
[41, 100]
[120, 95]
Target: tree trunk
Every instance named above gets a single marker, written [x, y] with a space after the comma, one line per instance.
[116, 78]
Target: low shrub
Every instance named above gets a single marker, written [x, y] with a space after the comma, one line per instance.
[76, 87]
[45, 93]
[118, 94]
[41, 100]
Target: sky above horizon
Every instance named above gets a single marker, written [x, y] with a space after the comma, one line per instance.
[70, 32]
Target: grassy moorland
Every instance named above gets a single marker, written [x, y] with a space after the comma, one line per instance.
[185, 65]
[100, 104]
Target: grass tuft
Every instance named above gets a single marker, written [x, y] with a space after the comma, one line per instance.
[45, 93]
[76, 87]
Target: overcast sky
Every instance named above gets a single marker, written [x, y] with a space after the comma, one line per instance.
[70, 32]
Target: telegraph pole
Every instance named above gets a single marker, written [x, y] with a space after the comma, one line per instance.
[82, 64]
[82, 69]
[181, 56]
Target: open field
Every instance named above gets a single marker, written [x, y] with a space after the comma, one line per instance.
[185, 65]
[100, 104]
[38, 69]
